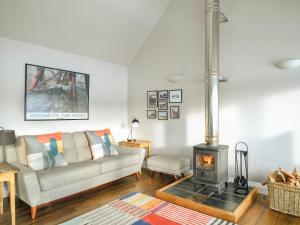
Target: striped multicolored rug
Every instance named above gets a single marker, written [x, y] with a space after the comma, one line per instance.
[140, 209]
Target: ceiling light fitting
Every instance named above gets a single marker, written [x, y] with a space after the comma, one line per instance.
[175, 78]
[288, 64]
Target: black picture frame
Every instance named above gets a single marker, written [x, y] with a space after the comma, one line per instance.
[163, 95]
[153, 117]
[173, 93]
[161, 103]
[176, 115]
[55, 116]
[159, 116]
[151, 99]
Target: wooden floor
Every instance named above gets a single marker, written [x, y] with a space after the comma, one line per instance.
[258, 214]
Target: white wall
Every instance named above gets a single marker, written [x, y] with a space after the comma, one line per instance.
[108, 89]
[259, 104]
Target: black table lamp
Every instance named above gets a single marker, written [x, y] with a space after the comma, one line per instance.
[7, 137]
[134, 123]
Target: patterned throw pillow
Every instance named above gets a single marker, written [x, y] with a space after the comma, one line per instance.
[45, 151]
[102, 143]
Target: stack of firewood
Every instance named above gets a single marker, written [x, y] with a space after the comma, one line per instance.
[284, 177]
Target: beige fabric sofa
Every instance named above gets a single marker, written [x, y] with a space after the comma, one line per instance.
[82, 173]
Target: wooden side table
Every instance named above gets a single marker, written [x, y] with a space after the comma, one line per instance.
[139, 144]
[7, 173]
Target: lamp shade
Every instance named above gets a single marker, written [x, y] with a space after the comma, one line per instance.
[7, 137]
[135, 123]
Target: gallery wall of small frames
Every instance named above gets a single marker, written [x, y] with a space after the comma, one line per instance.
[163, 104]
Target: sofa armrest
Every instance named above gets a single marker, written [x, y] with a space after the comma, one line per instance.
[126, 149]
[28, 187]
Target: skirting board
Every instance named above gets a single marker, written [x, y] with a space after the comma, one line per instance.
[261, 189]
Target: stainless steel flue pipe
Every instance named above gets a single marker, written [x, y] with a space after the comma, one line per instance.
[212, 12]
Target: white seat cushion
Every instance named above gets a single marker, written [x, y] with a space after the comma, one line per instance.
[170, 164]
[115, 162]
[61, 176]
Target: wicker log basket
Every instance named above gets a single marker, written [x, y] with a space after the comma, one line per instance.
[284, 191]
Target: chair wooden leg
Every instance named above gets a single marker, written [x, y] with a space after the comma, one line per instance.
[33, 212]
[138, 175]
[152, 174]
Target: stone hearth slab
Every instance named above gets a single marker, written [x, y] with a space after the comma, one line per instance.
[225, 205]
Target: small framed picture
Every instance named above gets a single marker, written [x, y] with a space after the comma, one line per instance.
[174, 112]
[175, 96]
[163, 115]
[151, 99]
[151, 114]
[163, 105]
[163, 95]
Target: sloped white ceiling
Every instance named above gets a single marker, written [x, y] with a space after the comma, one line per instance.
[111, 30]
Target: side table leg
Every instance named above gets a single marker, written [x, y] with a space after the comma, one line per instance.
[148, 152]
[12, 199]
[1, 197]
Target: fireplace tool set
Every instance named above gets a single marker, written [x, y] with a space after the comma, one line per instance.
[241, 160]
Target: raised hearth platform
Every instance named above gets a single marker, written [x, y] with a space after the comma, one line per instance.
[225, 205]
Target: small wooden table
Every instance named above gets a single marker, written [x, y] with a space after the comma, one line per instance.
[139, 144]
[7, 174]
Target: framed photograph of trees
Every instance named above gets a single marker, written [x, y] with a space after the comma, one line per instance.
[174, 112]
[55, 94]
[151, 99]
[162, 115]
[175, 96]
[151, 114]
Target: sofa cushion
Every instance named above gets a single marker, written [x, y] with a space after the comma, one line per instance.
[45, 151]
[115, 162]
[82, 146]
[97, 146]
[69, 148]
[61, 176]
[106, 138]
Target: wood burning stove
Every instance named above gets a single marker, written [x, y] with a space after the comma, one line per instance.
[210, 165]
[205, 189]
[211, 159]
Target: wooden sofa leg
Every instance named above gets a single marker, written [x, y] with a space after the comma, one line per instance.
[33, 212]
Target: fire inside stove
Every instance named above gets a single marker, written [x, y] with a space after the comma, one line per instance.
[211, 164]
[206, 161]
